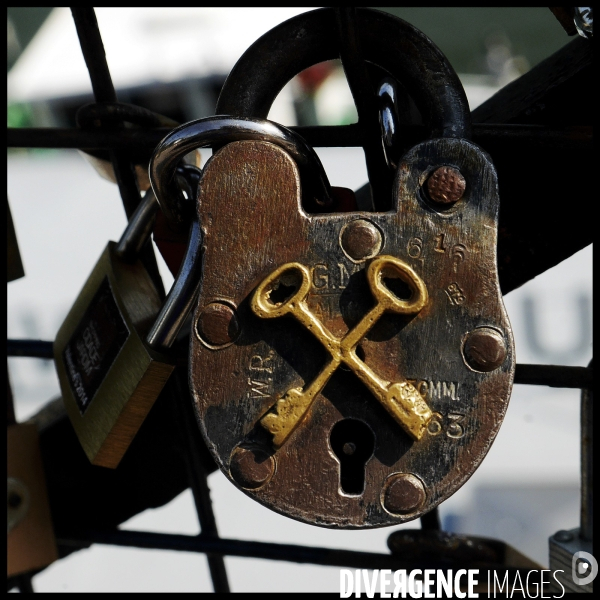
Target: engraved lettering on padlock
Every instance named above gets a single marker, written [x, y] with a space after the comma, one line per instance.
[452, 424]
[94, 345]
[400, 399]
[455, 294]
[328, 277]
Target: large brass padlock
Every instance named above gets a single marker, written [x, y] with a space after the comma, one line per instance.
[110, 376]
[349, 369]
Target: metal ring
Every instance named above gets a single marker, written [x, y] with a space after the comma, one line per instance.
[407, 54]
[220, 130]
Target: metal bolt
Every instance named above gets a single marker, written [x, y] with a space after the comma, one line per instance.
[485, 349]
[361, 239]
[218, 324]
[251, 468]
[404, 494]
[563, 536]
[446, 185]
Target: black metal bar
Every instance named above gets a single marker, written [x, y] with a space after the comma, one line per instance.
[431, 520]
[141, 142]
[229, 547]
[104, 91]
[355, 68]
[586, 524]
[93, 52]
[327, 557]
[30, 348]
[197, 477]
[554, 376]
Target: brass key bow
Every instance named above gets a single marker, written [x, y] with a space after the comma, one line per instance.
[400, 399]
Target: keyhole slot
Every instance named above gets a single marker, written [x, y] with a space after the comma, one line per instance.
[353, 443]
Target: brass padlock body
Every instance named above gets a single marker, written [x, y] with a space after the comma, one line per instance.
[109, 378]
[242, 364]
[30, 543]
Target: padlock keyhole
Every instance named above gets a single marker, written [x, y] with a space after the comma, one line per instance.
[353, 442]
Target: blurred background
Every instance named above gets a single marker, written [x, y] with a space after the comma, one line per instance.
[174, 62]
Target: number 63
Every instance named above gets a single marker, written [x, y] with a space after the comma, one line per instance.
[454, 428]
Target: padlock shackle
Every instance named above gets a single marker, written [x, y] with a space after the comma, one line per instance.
[182, 295]
[138, 228]
[406, 53]
[221, 130]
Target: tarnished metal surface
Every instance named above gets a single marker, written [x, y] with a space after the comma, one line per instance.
[348, 463]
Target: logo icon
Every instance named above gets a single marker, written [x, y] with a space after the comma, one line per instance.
[584, 568]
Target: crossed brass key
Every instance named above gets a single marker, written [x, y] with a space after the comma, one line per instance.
[401, 399]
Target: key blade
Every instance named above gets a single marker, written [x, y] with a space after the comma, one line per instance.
[409, 409]
[286, 414]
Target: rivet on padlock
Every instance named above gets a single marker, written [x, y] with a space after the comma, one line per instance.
[109, 375]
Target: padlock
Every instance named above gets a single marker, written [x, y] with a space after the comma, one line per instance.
[14, 264]
[30, 543]
[349, 370]
[109, 376]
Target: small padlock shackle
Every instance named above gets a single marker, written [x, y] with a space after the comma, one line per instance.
[182, 295]
[406, 53]
[221, 130]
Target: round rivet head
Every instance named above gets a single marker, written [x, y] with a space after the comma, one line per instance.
[563, 536]
[218, 324]
[485, 349]
[361, 239]
[446, 185]
[403, 494]
[251, 468]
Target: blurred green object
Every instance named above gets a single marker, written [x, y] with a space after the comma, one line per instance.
[19, 115]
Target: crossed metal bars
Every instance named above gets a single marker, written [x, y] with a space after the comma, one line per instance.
[400, 399]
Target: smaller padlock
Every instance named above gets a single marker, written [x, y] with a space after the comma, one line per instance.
[109, 376]
[14, 264]
[30, 539]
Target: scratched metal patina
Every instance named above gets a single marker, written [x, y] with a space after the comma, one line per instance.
[259, 243]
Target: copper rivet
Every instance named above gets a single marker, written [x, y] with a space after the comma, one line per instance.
[251, 468]
[485, 349]
[361, 239]
[218, 324]
[404, 494]
[446, 185]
